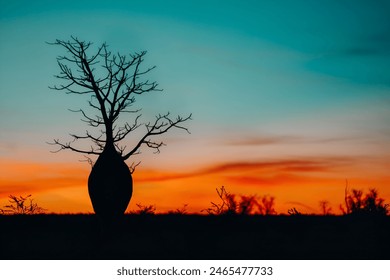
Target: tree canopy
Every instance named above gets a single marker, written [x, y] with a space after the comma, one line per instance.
[112, 81]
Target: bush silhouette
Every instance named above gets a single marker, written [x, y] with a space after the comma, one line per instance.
[371, 203]
[294, 212]
[267, 206]
[144, 209]
[179, 211]
[226, 206]
[232, 204]
[325, 208]
[22, 206]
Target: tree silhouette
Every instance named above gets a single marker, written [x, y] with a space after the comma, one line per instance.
[247, 204]
[267, 205]
[227, 205]
[111, 81]
[325, 208]
[231, 204]
[22, 205]
[374, 204]
[371, 203]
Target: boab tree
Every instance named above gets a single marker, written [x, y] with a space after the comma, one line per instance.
[112, 81]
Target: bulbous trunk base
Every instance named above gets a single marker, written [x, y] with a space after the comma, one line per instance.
[110, 184]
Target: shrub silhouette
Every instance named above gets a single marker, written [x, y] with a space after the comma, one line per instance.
[247, 205]
[325, 208]
[179, 211]
[232, 204]
[22, 206]
[371, 203]
[144, 209]
[374, 204]
[267, 206]
[294, 212]
[227, 205]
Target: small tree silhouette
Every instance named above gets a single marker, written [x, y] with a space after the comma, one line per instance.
[247, 205]
[267, 206]
[325, 208]
[232, 204]
[371, 203]
[355, 201]
[227, 205]
[22, 206]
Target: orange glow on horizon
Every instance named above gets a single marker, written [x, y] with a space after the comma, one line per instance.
[62, 188]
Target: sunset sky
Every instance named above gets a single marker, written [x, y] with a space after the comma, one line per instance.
[289, 99]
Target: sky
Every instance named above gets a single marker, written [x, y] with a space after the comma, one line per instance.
[289, 99]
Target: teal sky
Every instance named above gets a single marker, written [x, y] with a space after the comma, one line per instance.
[263, 79]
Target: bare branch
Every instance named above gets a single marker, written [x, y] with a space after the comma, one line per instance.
[68, 146]
[133, 166]
[161, 125]
[88, 160]
[122, 132]
[112, 88]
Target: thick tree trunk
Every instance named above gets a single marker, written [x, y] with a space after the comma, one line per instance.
[110, 184]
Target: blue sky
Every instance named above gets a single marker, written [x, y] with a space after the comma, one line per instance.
[256, 58]
[263, 79]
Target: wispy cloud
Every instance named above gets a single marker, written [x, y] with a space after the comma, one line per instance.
[255, 167]
[29, 177]
[262, 140]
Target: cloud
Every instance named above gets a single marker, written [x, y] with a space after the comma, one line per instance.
[265, 180]
[258, 140]
[240, 169]
[261, 140]
[28, 177]
[282, 165]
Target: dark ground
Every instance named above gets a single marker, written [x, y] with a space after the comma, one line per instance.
[195, 237]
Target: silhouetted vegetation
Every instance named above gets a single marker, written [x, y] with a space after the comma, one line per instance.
[293, 212]
[179, 211]
[111, 82]
[237, 227]
[267, 206]
[144, 209]
[325, 208]
[231, 204]
[356, 203]
[227, 205]
[20, 205]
